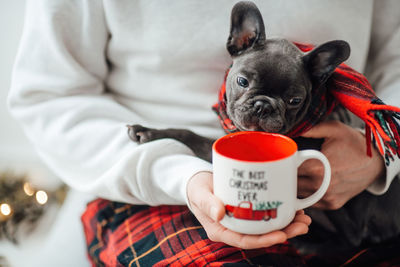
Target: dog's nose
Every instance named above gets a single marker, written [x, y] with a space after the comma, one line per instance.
[262, 107]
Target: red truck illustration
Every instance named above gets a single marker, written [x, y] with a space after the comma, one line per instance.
[245, 211]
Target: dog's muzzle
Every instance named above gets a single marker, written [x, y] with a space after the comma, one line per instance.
[263, 108]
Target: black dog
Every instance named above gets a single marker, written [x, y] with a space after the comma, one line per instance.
[269, 89]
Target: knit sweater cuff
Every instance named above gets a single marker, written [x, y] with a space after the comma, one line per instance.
[179, 169]
[381, 185]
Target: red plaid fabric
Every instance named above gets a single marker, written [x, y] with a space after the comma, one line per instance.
[350, 89]
[120, 234]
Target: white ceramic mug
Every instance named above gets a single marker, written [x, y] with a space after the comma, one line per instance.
[255, 176]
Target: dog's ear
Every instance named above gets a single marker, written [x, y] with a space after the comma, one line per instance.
[247, 28]
[323, 60]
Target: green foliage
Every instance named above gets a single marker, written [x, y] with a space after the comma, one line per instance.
[24, 207]
[267, 205]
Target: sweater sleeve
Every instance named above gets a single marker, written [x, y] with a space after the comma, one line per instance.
[59, 97]
[383, 70]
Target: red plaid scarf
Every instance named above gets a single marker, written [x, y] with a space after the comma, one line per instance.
[350, 89]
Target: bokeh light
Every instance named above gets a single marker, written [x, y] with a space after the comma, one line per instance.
[28, 189]
[5, 209]
[41, 197]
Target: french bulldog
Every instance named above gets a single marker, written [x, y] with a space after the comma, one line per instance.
[269, 84]
[268, 88]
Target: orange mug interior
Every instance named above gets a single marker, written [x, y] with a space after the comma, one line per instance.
[255, 146]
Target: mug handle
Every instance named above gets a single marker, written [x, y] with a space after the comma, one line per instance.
[311, 200]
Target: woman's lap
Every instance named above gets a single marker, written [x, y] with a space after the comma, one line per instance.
[120, 234]
[127, 235]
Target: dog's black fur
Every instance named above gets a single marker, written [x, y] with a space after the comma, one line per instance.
[269, 89]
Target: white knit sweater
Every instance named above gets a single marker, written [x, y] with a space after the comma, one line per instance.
[87, 68]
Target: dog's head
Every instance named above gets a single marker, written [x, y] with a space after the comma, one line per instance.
[270, 82]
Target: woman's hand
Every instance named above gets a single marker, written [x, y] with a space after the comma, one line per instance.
[352, 170]
[209, 210]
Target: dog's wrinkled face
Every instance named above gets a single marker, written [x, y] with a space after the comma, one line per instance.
[270, 82]
[269, 89]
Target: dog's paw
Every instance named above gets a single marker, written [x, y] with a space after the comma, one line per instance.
[140, 134]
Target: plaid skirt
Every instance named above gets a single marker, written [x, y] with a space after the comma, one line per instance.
[119, 234]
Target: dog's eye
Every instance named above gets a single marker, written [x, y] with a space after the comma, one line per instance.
[243, 82]
[295, 101]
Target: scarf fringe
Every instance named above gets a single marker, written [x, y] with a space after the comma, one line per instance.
[383, 128]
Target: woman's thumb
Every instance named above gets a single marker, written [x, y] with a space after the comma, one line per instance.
[209, 204]
[216, 209]
[203, 198]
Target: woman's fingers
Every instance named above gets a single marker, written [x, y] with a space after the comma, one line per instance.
[299, 225]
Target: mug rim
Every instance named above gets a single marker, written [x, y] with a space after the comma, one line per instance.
[276, 135]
